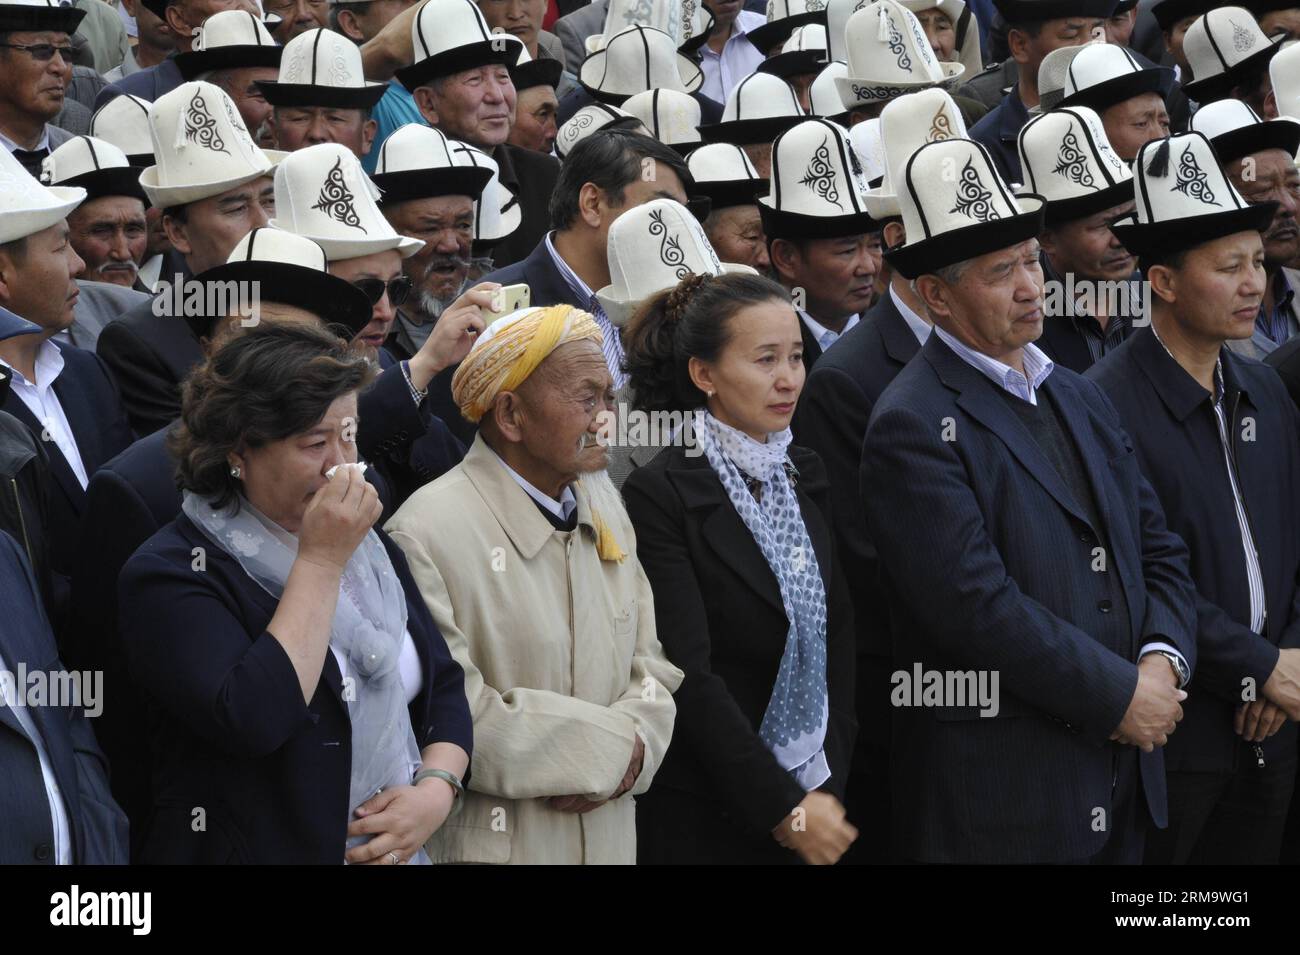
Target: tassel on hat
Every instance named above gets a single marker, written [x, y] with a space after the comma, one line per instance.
[1159, 164]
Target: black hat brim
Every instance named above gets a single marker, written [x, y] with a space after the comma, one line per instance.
[1080, 207]
[778, 224]
[1218, 87]
[24, 19]
[744, 132]
[778, 31]
[795, 62]
[1177, 235]
[1117, 89]
[693, 45]
[113, 181]
[468, 57]
[545, 72]
[197, 62]
[143, 160]
[429, 183]
[1283, 134]
[1169, 12]
[737, 192]
[340, 305]
[1039, 11]
[326, 97]
[972, 241]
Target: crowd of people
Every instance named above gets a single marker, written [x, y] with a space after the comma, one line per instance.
[649, 431]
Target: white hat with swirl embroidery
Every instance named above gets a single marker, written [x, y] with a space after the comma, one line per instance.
[322, 193]
[818, 187]
[956, 207]
[651, 248]
[1068, 160]
[889, 55]
[907, 124]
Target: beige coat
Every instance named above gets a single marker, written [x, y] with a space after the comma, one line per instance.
[562, 666]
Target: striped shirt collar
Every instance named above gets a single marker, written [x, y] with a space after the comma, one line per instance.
[612, 344]
[1037, 367]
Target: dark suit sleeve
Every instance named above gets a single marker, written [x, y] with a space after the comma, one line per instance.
[390, 418]
[742, 770]
[189, 652]
[118, 433]
[926, 522]
[841, 678]
[148, 391]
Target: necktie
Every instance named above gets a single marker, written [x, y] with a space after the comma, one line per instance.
[31, 159]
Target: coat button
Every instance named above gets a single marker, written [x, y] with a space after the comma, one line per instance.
[43, 852]
[1103, 606]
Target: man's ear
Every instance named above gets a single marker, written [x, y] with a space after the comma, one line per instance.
[785, 258]
[1164, 283]
[177, 235]
[348, 26]
[176, 21]
[1018, 42]
[934, 293]
[507, 416]
[1047, 241]
[7, 278]
[894, 234]
[592, 203]
[427, 103]
[368, 130]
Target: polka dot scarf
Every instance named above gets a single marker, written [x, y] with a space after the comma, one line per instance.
[794, 725]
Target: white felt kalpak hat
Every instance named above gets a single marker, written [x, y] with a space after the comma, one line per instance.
[26, 206]
[202, 147]
[448, 36]
[229, 40]
[760, 108]
[635, 60]
[1223, 47]
[907, 124]
[818, 186]
[1235, 130]
[824, 96]
[651, 248]
[1103, 74]
[837, 18]
[1069, 162]
[96, 166]
[322, 193]
[418, 162]
[686, 21]
[868, 142]
[592, 118]
[803, 52]
[724, 174]
[322, 68]
[497, 214]
[1184, 199]
[889, 55]
[1284, 69]
[673, 118]
[1051, 76]
[964, 24]
[124, 122]
[783, 18]
[956, 207]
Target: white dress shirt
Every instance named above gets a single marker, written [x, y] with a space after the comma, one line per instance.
[10, 145]
[919, 326]
[823, 335]
[58, 810]
[739, 58]
[43, 403]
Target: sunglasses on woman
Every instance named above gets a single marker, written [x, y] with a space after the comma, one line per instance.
[398, 289]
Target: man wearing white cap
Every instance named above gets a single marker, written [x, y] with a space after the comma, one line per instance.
[1129, 98]
[62, 393]
[1094, 295]
[36, 61]
[991, 560]
[234, 51]
[1258, 157]
[568, 686]
[724, 175]
[1216, 435]
[536, 87]
[214, 186]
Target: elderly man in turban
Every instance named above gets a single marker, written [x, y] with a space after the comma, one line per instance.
[526, 559]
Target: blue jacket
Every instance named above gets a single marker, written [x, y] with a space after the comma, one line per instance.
[991, 565]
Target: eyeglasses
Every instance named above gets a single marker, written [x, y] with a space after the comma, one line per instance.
[398, 289]
[42, 52]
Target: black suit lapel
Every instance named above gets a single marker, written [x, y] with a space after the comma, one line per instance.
[812, 350]
[545, 282]
[900, 342]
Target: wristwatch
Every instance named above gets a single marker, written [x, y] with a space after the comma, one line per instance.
[1179, 665]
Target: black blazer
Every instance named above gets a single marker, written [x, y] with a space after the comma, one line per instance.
[990, 565]
[531, 176]
[230, 731]
[98, 827]
[1285, 360]
[720, 619]
[1174, 429]
[149, 356]
[812, 349]
[99, 427]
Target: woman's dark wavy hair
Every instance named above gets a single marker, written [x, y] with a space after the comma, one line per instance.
[275, 380]
[681, 323]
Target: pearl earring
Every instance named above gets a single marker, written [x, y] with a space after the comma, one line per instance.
[235, 472]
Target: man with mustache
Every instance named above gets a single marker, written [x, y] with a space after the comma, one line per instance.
[36, 62]
[1258, 158]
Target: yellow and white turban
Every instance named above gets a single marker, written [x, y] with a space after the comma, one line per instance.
[511, 348]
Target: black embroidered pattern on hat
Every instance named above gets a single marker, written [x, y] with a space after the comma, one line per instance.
[812, 6]
[820, 176]
[940, 127]
[1072, 163]
[200, 127]
[336, 198]
[973, 200]
[872, 92]
[1242, 39]
[895, 41]
[670, 249]
[1191, 179]
[688, 17]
